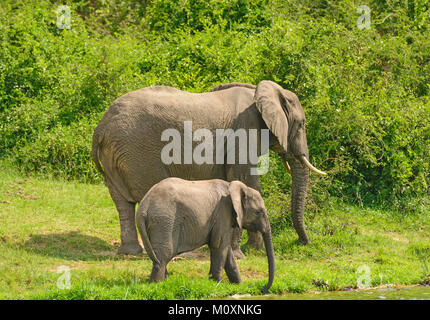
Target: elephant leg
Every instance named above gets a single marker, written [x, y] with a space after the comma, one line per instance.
[158, 272]
[255, 240]
[231, 268]
[236, 240]
[218, 260]
[126, 210]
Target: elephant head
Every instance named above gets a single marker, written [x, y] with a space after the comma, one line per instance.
[251, 214]
[284, 116]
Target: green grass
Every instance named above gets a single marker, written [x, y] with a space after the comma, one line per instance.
[45, 224]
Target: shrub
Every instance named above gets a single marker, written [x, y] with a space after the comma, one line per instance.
[365, 92]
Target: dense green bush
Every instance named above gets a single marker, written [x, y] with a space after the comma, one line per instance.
[366, 93]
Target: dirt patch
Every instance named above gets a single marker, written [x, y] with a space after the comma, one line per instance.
[395, 237]
[17, 190]
[198, 254]
[382, 286]
[390, 235]
[71, 267]
[24, 181]
[252, 274]
[115, 243]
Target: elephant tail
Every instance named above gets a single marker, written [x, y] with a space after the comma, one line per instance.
[141, 225]
[95, 151]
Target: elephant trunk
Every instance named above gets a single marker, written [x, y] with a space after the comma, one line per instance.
[267, 238]
[300, 177]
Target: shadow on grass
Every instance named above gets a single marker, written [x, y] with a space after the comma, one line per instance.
[72, 246]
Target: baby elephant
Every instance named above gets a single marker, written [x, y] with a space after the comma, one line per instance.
[178, 215]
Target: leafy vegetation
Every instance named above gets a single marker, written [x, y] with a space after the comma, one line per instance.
[365, 91]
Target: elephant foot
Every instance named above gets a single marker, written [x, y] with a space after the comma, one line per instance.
[255, 240]
[238, 254]
[304, 240]
[158, 273]
[130, 248]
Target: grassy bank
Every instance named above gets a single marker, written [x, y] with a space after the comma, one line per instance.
[46, 224]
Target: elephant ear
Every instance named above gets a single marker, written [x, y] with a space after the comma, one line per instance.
[237, 194]
[274, 107]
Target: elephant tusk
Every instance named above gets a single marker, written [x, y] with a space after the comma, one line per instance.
[310, 166]
[286, 166]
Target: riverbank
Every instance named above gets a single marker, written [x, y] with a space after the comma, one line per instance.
[386, 292]
[58, 240]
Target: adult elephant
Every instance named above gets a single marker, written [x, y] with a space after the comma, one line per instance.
[127, 144]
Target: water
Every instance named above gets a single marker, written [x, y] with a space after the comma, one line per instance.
[403, 293]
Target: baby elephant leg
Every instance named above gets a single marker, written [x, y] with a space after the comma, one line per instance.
[231, 268]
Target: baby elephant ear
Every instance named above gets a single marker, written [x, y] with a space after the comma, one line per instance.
[237, 194]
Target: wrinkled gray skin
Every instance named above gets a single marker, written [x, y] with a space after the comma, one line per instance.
[127, 143]
[178, 215]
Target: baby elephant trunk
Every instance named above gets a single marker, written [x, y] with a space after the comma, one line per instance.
[267, 238]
